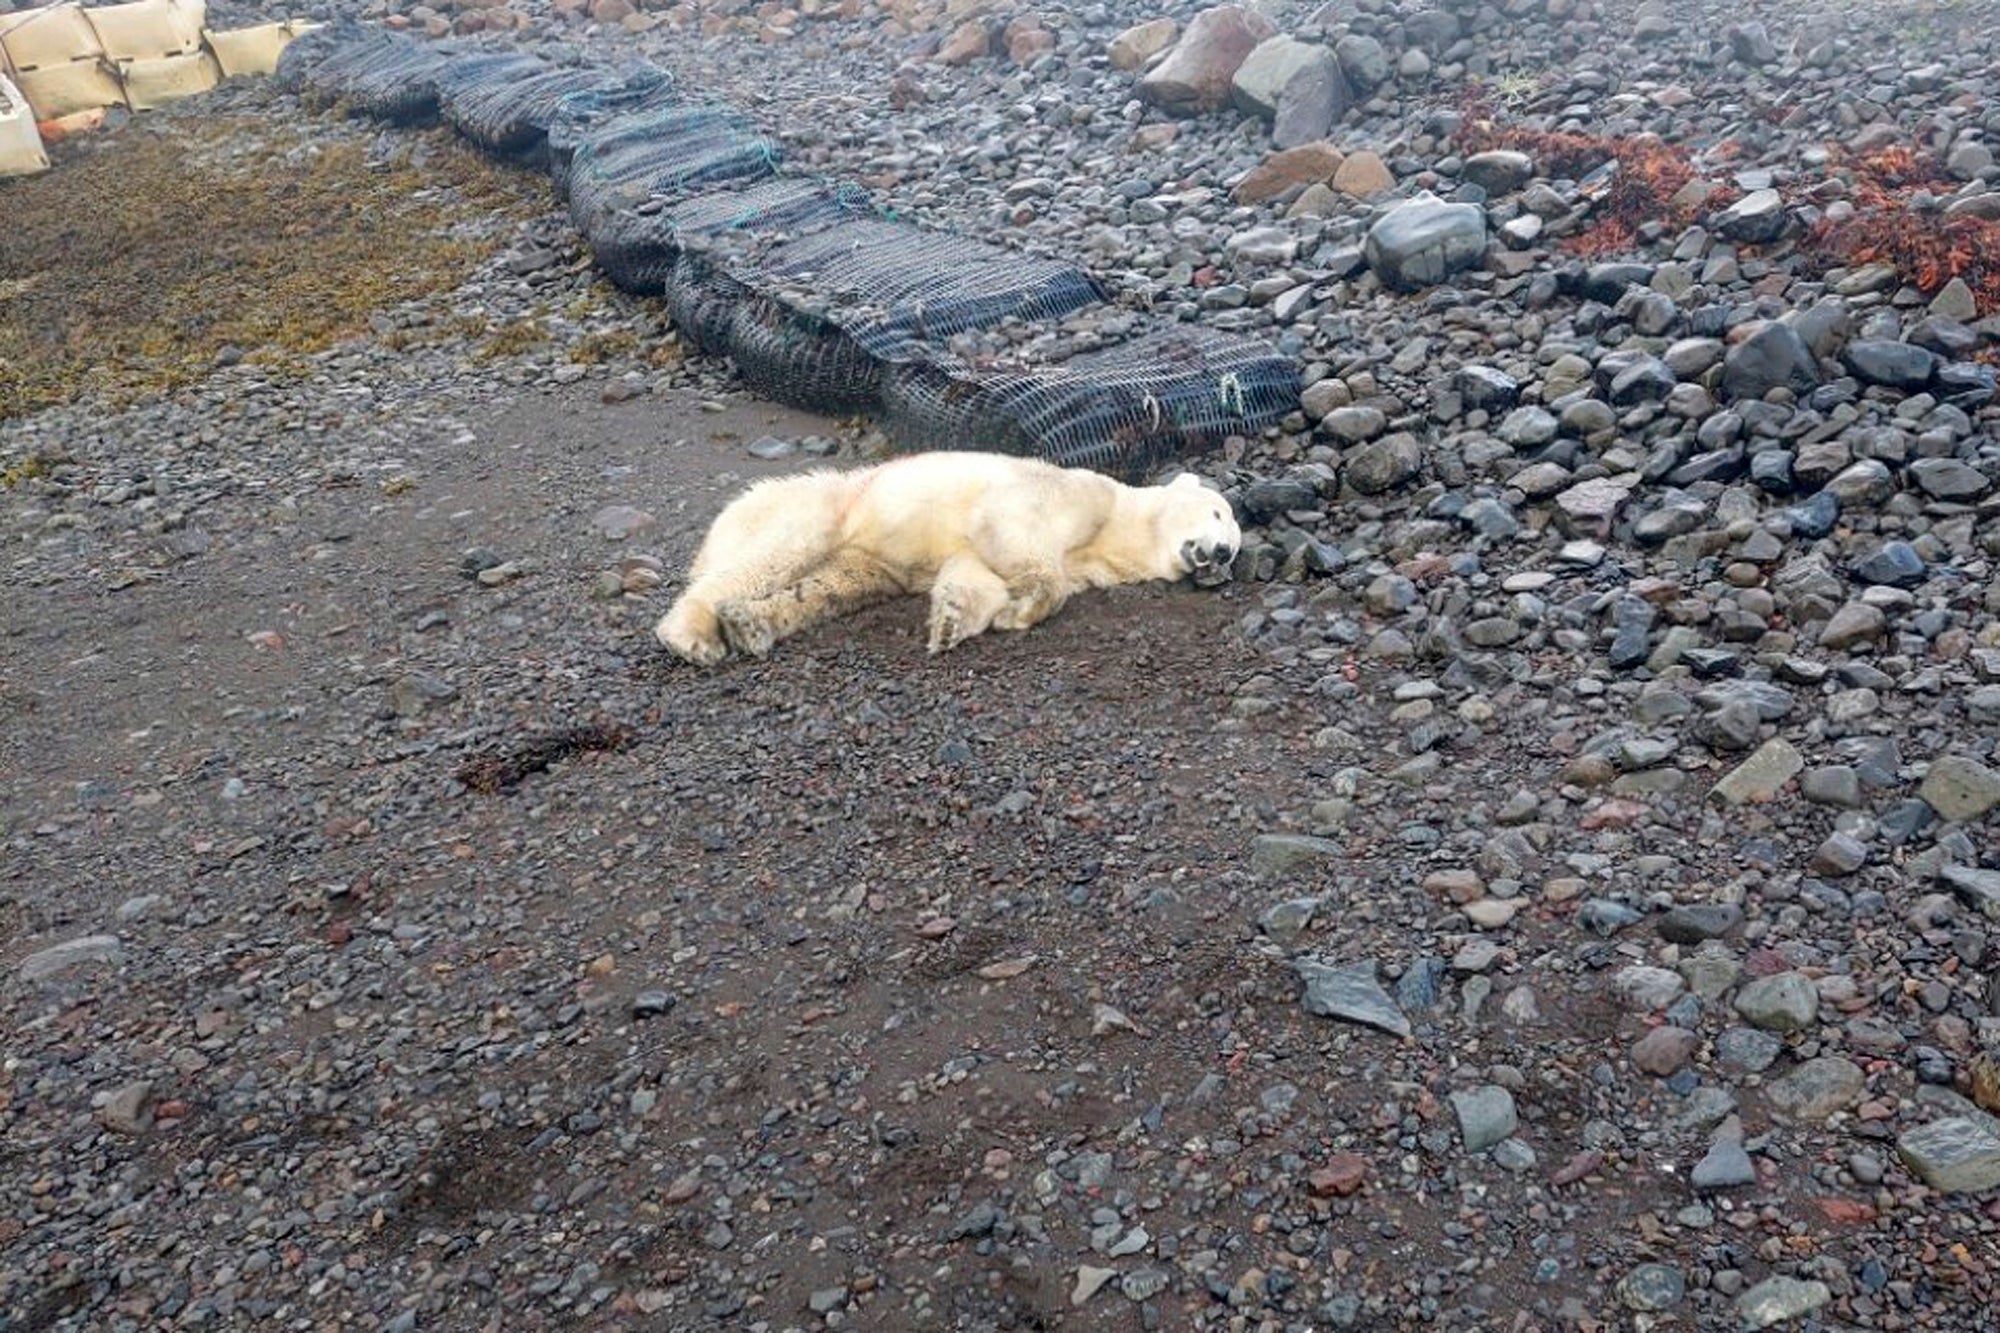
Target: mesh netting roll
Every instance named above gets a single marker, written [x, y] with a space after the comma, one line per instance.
[668, 153]
[894, 287]
[578, 115]
[834, 309]
[305, 52]
[507, 109]
[700, 299]
[1125, 411]
[637, 248]
[385, 76]
[801, 359]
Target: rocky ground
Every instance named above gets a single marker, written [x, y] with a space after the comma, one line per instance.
[1556, 885]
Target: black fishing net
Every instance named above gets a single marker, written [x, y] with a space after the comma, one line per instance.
[802, 359]
[638, 248]
[507, 109]
[1124, 411]
[821, 301]
[834, 308]
[578, 115]
[383, 75]
[701, 297]
[893, 286]
[305, 52]
[667, 153]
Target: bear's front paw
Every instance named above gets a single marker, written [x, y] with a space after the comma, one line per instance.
[746, 632]
[678, 638]
[948, 622]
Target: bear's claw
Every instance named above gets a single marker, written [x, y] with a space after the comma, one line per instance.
[947, 623]
[746, 633]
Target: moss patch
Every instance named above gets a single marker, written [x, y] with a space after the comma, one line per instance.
[135, 262]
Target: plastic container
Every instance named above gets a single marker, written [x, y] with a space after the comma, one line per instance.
[21, 151]
[44, 38]
[156, 82]
[246, 51]
[149, 29]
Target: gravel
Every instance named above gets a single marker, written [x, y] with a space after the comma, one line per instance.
[1552, 882]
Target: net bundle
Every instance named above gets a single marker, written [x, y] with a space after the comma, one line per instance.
[506, 108]
[668, 152]
[1125, 410]
[639, 247]
[382, 75]
[578, 115]
[305, 52]
[826, 313]
[821, 300]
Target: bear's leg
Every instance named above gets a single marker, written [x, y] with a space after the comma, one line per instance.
[1035, 591]
[847, 581]
[1012, 542]
[965, 597]
[764, 540]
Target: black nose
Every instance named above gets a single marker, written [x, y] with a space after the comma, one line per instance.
[1224, 553]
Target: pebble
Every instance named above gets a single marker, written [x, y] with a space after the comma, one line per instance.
[1785, 1002]
[1350, 991]
[1779, 1300]
[1485, 1116]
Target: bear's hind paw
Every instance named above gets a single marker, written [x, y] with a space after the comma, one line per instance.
[689, 647]
[746, 632]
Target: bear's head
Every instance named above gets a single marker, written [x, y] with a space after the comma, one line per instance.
[1196, 530]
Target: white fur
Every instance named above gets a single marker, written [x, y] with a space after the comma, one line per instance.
[996, 541]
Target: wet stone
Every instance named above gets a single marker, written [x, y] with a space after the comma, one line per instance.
[1786, 1002]
[1817, 1089]
[1486, 1115]
[1780, 1300]
[1726, 1166]
[1650, 1288]
[1350, 992]
[1691, 923]
[1747, 1050]
[70, 954]
[1953, 1155]
[1960, 789]
[1274, 854]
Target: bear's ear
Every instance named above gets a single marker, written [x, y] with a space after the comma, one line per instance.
[1185, 480]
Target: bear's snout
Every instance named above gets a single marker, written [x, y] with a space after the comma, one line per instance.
[1197, 556]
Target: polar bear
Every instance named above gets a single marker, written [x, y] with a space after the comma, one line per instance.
[998, 542]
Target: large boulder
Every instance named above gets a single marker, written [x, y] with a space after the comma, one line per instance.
[1775, 356]
[1260, 80]
[1317, 96]
[1364, 175]
[1363, 60]
[1139, 43]
[968, 42]
[1499, 172]
[1425, 241]
[1287, 168]
[1195, 76]
[1891, 364]
[1758, 218]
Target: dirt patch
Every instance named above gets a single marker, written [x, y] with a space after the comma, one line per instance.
[504, 771]
[148, 253]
